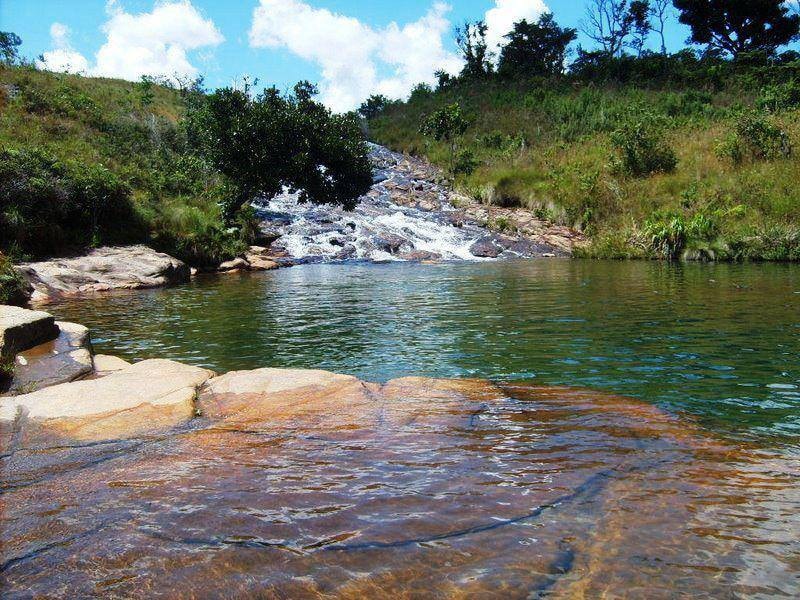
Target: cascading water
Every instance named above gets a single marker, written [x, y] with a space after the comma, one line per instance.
[406, 215]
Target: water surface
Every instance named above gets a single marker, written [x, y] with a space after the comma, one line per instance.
[720, 343]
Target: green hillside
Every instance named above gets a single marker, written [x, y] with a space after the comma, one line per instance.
[87, 161]
[575, 148]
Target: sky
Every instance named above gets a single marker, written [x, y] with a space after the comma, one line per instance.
[350, 48]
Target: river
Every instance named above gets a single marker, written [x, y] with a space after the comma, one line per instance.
[625, 430]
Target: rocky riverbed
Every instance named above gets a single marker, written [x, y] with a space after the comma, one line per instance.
[410, 214]
[160, 479]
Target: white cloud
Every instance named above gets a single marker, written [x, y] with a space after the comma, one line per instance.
[500, 19]
[352, 55]
[62, 58]
[154, 43]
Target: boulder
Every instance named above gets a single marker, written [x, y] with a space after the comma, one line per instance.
[102, 270]
[486, 248]
[105, 365]
[237, 264]
[146, 398]
[267, 395]
[420, 256]
[22, 329]
[64, 359]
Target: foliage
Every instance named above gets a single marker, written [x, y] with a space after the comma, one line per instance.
[12, 285]
[609, 23]
[756, 136]
[9, 42]
[642, 148]
[780, 96]
[269, 142]
[739, 27]
[46, 205]
[373, 106]
[667, 234]
[446, 125]
[538, 48]
[471, 41]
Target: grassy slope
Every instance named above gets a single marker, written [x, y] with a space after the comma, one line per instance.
[563, 170]
[82, 120]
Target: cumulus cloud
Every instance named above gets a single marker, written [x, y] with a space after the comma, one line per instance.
[62, 58]
[154, 43]
[356, 59]
[500, 19]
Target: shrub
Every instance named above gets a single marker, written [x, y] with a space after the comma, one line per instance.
[756, 136]
[667, 234]
[641, 147]
[781, 96]
[47, 207]
[465, 163]
[13, 288]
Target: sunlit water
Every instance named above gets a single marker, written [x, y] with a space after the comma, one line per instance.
[721, 342]
[638, 439]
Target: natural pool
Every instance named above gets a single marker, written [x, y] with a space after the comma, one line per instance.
[719, 342]
[622, 430]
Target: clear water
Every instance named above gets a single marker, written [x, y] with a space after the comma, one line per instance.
[719, 343]
[668, 468]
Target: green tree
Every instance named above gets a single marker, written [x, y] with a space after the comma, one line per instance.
[9, 42]
[471, 41]
[446, 125]
[272, 141]
[738, 27]
[145, 89]
[536, 48]
[373, 106]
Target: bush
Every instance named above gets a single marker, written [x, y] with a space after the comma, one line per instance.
[13, 288]
[781, 96]
[48, 207]
[756, 136]
[465, 163]
[667, 234]
[641, 147]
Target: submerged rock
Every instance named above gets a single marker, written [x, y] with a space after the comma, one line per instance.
[312, 484]
[102, 270]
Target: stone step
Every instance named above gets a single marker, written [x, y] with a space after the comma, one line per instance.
[22, 329]
[65, 359]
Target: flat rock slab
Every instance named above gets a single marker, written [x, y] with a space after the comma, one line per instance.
[146, 398]
[315, 485]
[105, 365]
[62, 360]
[102, 270]
[22, 329]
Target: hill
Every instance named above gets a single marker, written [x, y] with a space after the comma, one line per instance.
[87, 161]
[659, 157]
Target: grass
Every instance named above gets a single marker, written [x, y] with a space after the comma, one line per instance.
[548, 147]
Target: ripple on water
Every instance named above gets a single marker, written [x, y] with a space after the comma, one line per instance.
[446, 488]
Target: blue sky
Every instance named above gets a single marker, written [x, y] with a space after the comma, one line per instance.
[349, 47]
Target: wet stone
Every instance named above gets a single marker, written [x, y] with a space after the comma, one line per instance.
[309, 484]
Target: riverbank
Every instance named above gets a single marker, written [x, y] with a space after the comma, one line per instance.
[160, 476]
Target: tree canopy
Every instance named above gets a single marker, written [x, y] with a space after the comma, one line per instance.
[272, 141]
[538, 48]
[739, 26]
[9, 42]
